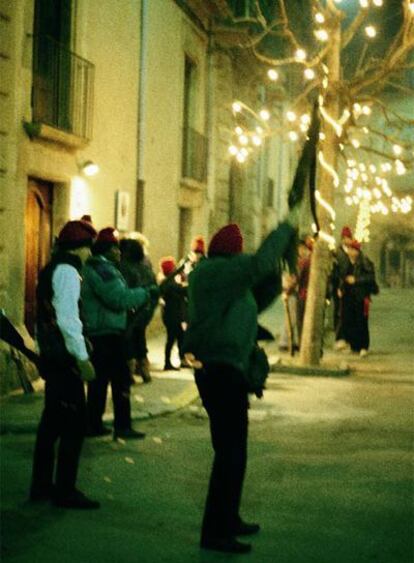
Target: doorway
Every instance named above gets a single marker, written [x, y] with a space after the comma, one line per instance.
[38, 232]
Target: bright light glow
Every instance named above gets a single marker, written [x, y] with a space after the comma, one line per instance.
[304, 127]
[397, 149]
[400, 168]
[238, 130]
[348, 200]
[79, 197]
[259, 130]
[321, 35]
[357, 108]
[244, 151]
[243, 140]
[264, 114]
[89, 168]
[364, 3]
[309, 73]
[366, 110]
[291, 116]
[300, 55]
[362, 167]
[272, 74]
[319, 17]
[331, 171]
[378, 3]
[233, 150]
[236, 107]
[411, 7]
[293, 136]
[240, 157]
[370, 31]
[325, 82]
[372, 168]
[355, 143]
[256, 140]
[351, 162]
[305, 118]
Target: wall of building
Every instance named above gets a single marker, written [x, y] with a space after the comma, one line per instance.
[107, 34]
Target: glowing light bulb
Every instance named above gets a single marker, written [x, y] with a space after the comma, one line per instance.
[272, 74]
[351, 162]
[300, 55]
[309, 73]
[233, 150]
[364, 3]
[322, 35]
[243, 140]
[244, 151]
[397, 149]
[264, 114]
[319, 17]
[259, 130]
[357, 108]
[256, 140]
[236, 107]
[291, 116]
[411, 7]
[372, 168]
[240, 157]
[293, 136]
[378, 3]
[366, 110]
[238, 130]
[305, 118]
[356, 143]
[370, 31]
[322, 136]
[348, 200]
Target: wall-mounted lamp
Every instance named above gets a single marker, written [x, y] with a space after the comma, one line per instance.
[89, 168]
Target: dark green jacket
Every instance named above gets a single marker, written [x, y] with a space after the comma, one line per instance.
[106, 297]
[222, 306]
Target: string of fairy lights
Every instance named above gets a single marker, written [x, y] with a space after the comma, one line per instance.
[365, 181]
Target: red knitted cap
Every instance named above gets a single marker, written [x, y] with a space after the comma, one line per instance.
[346, 232]
[109, 234]
[198, 245]
[355, 244]
[228, 240]
[167, 265]
[77, 232]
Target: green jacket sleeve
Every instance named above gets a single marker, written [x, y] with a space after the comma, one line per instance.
[113, 291]
[243, 271]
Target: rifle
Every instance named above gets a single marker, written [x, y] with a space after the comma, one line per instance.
[9, 334]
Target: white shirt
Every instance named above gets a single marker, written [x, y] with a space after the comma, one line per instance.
[66, 284]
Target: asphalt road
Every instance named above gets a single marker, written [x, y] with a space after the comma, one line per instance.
[330, 474]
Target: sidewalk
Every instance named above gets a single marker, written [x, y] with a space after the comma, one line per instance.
[168, 392]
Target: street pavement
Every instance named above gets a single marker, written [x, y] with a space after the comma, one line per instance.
[330, 472]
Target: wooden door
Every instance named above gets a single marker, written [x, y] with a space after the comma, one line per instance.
[38, 220]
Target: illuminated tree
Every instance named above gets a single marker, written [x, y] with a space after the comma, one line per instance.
[351, 58]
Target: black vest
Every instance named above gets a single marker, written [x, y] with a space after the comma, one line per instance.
[50, 340]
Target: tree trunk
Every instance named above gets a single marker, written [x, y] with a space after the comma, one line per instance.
[313, 327]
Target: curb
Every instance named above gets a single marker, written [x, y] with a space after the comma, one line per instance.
[180, 401]
[310, 370]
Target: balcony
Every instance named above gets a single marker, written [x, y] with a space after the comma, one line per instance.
[194, 161]
[63, 86]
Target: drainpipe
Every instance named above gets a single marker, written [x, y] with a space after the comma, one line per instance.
[141, 133]
[209, 120]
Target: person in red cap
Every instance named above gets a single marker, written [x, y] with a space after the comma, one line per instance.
[357, 285]
[106, 299]
[340, 266]
[65, 365]
[226, 292]
[173, 291]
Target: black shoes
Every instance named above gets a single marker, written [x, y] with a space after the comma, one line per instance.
[129, 434]
[226, 545]
[245, 529]
[98, 432]
[169, 367]
[42, 494]
[76, 500]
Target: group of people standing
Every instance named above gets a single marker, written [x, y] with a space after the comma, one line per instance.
[95, 299]
[350, 287]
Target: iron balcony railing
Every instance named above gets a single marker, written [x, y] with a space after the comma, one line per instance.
[63, 86]
[194, 163]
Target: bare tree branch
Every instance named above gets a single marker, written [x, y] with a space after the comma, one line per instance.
[350, 32]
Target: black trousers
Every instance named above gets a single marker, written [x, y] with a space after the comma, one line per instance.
[224, 396]
[110, 363]
[174, 333]
[63, 419]
[355, 323]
